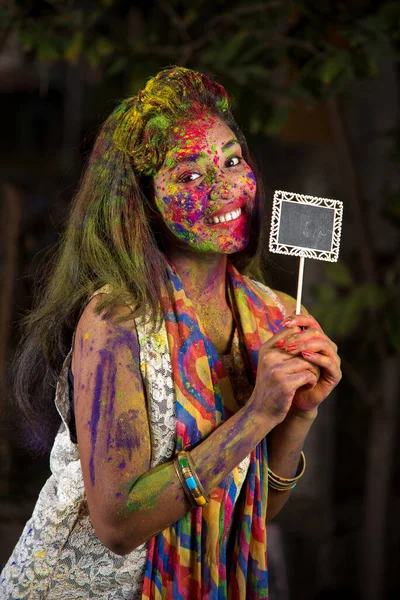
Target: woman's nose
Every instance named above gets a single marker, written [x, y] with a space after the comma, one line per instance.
[221, 190]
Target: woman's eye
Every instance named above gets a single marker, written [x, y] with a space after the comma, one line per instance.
[233, 161]
[187, 177]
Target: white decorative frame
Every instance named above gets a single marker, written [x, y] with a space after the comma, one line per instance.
[274, 246]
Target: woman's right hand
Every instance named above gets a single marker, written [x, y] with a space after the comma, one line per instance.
[279, 376]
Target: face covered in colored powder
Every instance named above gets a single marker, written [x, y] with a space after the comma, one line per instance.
[205, 190]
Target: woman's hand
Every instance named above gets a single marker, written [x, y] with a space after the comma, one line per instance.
[317, 349]
[280, 375]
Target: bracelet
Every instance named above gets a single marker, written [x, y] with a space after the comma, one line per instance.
[283, 484]
[190, 482]
[183, 483]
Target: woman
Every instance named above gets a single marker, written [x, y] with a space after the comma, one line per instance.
[187, 390]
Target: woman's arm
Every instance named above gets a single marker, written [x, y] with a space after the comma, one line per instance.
[286, 441]
[128, 501]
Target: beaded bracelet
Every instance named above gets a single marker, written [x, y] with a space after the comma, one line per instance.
[190, 482]
[283, 484]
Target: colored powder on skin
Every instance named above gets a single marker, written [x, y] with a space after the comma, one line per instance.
[148, 488]
[94, 421]
[231, 434]
[110, 392]
[126, 437]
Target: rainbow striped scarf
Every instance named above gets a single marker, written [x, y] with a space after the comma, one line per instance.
[191, 559]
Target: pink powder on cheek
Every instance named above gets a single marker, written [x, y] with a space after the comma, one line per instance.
[187, 207]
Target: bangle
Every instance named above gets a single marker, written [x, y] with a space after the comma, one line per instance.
[283, 484]
[189, 480]
[183, 483]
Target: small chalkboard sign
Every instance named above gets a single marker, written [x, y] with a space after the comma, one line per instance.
[306, 226]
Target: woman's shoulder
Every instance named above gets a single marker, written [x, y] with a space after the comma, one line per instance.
[116, 314]
[104, 326]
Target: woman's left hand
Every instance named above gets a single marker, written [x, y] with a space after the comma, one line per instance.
[314, 346]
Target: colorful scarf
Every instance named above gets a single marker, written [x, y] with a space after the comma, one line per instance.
[190, 559]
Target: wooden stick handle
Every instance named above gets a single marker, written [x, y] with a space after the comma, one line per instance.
[300, 285]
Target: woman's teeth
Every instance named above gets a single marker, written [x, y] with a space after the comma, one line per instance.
[230, 216]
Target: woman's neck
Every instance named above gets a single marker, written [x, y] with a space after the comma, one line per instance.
[203, 277]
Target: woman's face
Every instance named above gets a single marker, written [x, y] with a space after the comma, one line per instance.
[205, 190]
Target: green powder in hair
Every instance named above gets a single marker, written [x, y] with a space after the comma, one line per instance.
[159, 121]
[222, 104]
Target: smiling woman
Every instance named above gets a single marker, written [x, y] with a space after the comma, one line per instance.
[184, 390]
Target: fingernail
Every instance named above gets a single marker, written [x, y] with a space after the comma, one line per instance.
[291, 347]
[280, 344]
[307, 354]
[286, 322]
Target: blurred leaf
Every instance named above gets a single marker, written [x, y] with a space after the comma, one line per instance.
[370, 296]
[372, 67]
[255, 124]
[92, 56]
[349, 315]
[47, 51]
[117, 66]
[104, 47]
[74, 48]
[231, 47]
[338, 273]
[333, 67]
[340, 315]
[276, 120]
[190, 16]
[27, 40]
[6, 19]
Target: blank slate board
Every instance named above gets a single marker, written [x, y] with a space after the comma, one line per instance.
[306, 226]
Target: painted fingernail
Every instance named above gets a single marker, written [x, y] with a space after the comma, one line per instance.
[286, 322]
[291, 347]
[280, 344]
[306, 353]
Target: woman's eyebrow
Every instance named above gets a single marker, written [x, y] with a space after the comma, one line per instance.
[172, 161]
[229, 144]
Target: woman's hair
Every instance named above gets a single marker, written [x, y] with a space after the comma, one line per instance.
[111, 235]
